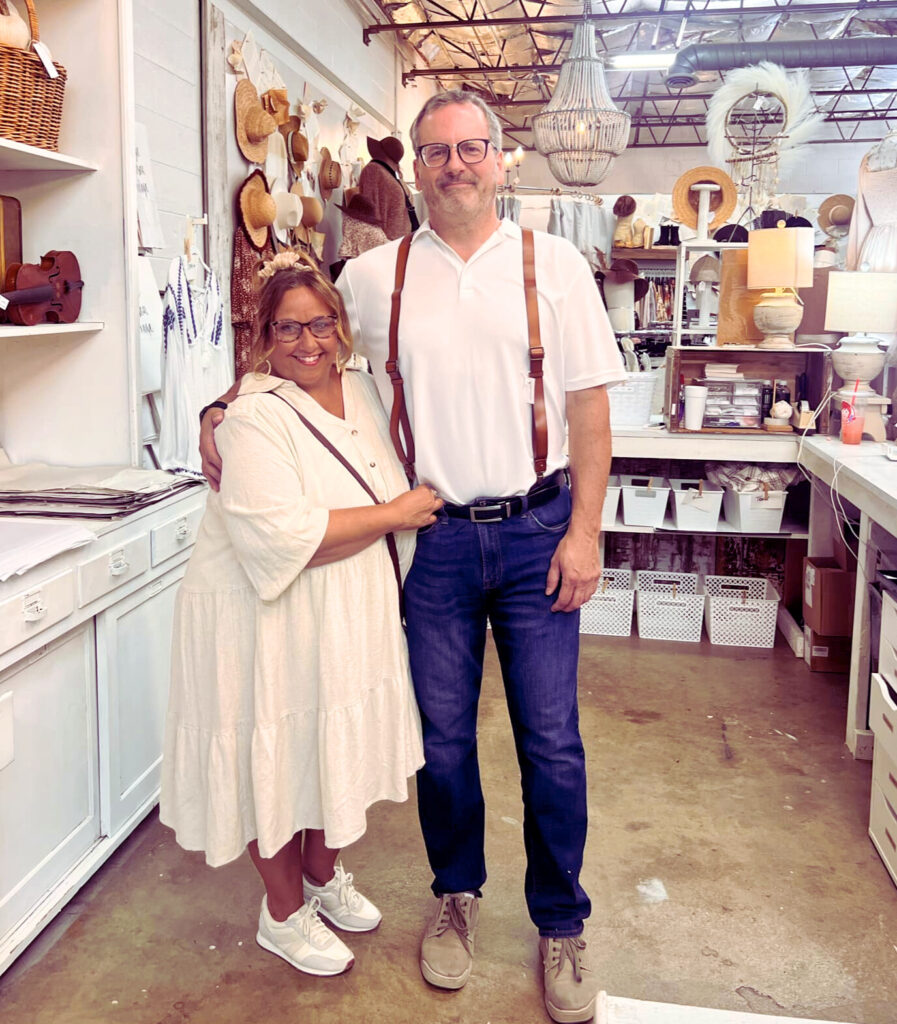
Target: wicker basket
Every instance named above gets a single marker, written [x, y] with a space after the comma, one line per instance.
[30, 101]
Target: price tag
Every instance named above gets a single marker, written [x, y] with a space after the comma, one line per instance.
[4, 302]
[46, 59]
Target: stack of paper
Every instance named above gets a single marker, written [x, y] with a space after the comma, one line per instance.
[24, 545]
[723, 371]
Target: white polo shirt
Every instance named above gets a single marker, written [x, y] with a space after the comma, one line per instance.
[464, 352]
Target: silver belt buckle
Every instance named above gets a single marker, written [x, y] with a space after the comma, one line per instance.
[502, 507]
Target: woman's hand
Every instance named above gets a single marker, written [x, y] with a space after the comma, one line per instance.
[416, 508]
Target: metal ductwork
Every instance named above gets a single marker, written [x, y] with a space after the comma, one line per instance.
[860, 51]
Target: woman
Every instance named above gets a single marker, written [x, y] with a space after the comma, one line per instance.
[291, 707]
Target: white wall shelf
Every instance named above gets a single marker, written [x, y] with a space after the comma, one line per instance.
[792, 529]
[14, 156]
[14, 332]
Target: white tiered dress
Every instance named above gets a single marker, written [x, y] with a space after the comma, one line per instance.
[291, 703]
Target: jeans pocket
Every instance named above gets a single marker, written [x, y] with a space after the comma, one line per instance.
[424, 530]
[555, 516]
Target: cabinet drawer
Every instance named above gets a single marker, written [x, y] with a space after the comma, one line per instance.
[175, 535]
[35, 609]
[884, 774]
[116, 566]
[883, 717]
[883, 828]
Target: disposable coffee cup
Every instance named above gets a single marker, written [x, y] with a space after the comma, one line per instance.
[695, 402]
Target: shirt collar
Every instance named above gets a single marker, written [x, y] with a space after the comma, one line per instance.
[506, 229]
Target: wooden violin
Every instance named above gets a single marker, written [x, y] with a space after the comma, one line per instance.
[44, 293]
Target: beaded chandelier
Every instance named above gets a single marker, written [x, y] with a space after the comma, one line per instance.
[580, 130]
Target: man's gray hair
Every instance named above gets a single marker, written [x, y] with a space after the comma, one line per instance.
[453, 96]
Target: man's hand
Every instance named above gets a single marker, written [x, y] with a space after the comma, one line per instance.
[576, 566]
[208, 450]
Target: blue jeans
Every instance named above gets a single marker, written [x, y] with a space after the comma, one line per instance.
[464, 572]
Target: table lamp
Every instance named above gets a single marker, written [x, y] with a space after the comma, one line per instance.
[863, 304]
[779, 258]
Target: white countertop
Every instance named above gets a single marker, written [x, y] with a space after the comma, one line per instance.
[660, 443]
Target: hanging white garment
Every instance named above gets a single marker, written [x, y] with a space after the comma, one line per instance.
[196, 366]
[509, 208]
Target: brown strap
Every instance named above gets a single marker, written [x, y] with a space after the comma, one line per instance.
[399, 416]
[390, 538]
[536, 355]
[398, 421]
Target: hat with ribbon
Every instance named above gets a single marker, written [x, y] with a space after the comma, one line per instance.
[330, 176]
[312, 213]
[685, 201]
[257, 208]
[389, 149]
[834, 215]
[296, 142]
[253, 123]
[622, 272]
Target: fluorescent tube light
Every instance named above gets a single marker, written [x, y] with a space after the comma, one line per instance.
[642, 61]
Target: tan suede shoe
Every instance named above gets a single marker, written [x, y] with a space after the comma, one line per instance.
[570, 986]
[446, 950]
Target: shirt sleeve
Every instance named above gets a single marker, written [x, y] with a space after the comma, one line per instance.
[344, 287]
[591, 356]
[273, 528]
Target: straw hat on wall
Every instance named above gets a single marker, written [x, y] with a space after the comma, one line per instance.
[685, 202]
[330, 176]
[257, 208]
[834, 215]
[253, 123]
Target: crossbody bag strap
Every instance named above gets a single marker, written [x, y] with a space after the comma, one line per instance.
[536, 355]
[390, 538]
[399, 424]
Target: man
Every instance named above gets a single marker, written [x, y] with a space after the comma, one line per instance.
[518, 551]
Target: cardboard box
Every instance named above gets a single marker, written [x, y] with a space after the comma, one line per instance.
[845, 545]
[828, 596]
[826, 653]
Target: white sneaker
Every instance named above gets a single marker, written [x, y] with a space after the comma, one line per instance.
[342, 904]
[304, 941]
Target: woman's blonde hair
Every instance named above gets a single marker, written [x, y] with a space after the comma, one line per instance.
[287, 270]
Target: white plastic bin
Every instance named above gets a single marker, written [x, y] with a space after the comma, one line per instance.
[740, 611]
[611, 502]
[644, 500]
[754, 511]
[630, 401]
[608, 612]
[669, 605]
[696, 504]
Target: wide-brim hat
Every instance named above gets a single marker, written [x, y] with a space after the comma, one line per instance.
[253, 123]
[330, 176]
[257, 208]
[731, 233]
[835, 213]
[277, 168]
[623, 271]
[685, 202]
[707, 268]
[289, 211]
[388, 149]
[277, 103]
[360, 208]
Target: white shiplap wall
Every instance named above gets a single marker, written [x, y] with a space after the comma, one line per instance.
[167, 89]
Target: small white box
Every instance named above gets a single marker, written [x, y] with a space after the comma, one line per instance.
[740, 611]
[644, 500]
[611, 502]
[669, 605]
[754, 511]
[696, 504]
[608, 612]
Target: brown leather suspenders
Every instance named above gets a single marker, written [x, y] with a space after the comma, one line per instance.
[399, 424]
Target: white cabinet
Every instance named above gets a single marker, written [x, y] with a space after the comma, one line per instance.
[133, 662]
[49, 783]
[85, 644]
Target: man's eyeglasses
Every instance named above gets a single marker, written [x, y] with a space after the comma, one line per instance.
[470, 151]
[291, 330]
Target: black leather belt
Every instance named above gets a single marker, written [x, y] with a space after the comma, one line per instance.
[494, 510]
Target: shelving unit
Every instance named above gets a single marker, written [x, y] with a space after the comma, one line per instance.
[685, 250]
[13, 332]
[14, 156]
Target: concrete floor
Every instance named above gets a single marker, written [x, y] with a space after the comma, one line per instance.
[717, 776]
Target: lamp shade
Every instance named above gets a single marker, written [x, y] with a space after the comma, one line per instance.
[780, 258]
[859, 302]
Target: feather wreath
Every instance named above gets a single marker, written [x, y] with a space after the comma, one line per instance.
[800, 119]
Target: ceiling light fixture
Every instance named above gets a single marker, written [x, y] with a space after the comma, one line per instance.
[580, 131]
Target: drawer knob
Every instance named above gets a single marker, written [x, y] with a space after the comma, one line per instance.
[182, 532]
[118, 564]
[33, 608]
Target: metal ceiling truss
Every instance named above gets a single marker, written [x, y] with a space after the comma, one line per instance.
[467, 44]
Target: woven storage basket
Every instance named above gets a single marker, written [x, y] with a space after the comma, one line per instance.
[30, 101]
[608, 612]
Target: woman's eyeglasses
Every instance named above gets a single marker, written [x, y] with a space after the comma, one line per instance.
[291, 330]
[470, 151]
